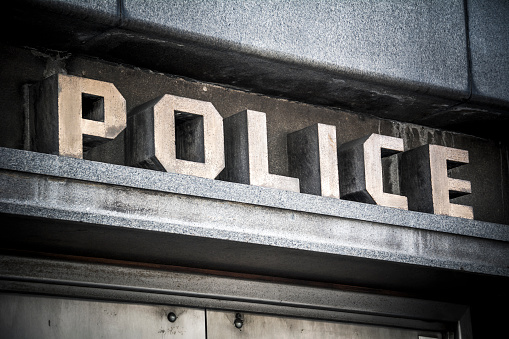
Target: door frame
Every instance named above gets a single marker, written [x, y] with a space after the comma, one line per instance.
[111, 280]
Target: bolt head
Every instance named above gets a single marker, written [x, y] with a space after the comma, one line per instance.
[172, 317]
[238, 323]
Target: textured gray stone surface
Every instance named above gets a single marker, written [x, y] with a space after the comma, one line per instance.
[95, 172]
[489, 45]
[71, 206]
[366, 37]
[85, 208]
[486, 112]
[75, 28]
[64, 167]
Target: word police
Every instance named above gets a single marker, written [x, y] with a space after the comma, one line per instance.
[188, 136]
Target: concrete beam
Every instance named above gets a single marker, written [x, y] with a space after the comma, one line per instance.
[271, 228]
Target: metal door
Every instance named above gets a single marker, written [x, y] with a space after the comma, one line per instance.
[28, 316]
[24, 316]
[220, 325]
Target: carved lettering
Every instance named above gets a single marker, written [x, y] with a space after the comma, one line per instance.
[73, 114]
[360, 170]
[247, 159]
[69, 115]
[426, 184]
[156, 142]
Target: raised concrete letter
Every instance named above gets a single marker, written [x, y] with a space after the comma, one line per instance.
[72, 114]
[247, 155]
[178, 135]
[426, 184]
[313, 158]
[360, 170]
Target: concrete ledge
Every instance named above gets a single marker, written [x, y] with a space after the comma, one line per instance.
[64, 167]
[52, 203]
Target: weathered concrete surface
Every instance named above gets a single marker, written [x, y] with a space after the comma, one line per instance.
[486, 113]
[487, 170]
[489, 46]
[104, 29]
[70, 206]
[366, 36]
[186, 207]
